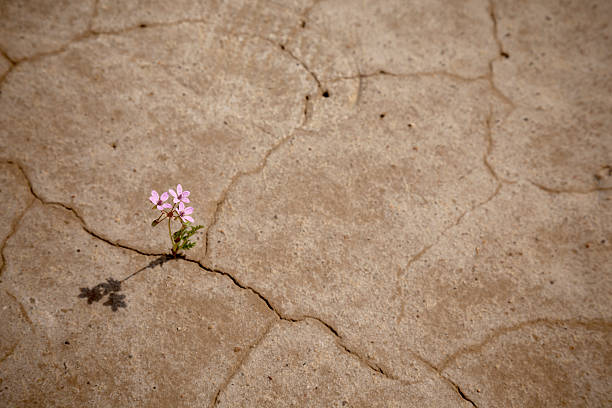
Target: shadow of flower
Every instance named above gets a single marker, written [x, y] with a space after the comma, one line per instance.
[112, 286]
[115, 301]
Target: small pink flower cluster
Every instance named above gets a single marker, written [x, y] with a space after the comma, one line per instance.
[180, 198]
[180, 239]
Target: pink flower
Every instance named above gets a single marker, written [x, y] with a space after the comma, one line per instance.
[159, 201]
[184, 212]
[179, 195]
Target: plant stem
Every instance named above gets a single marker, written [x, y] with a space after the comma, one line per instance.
[170, 233]
[169, 215]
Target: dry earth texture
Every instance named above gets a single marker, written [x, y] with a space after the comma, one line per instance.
[406, 203]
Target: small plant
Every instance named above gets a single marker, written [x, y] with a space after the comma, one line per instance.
[177, 211]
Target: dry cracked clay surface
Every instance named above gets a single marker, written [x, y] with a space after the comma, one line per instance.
[405, 203]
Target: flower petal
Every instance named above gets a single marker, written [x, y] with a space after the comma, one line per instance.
[188, 210]
[188, 218]
[181, 207]
[166, 205]
[164, 196]
[172, 193]
[186, 193]
[185, 200]
[179, 189]
[154, 197]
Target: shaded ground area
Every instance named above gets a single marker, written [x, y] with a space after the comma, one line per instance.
[405, 203]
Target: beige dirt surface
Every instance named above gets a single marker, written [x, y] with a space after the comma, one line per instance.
[404, 203]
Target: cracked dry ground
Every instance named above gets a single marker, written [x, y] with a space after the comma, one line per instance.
[406, 203]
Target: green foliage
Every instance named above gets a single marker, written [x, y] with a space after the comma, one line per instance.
[181, 237]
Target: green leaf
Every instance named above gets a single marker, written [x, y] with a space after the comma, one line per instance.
[193, 230]
[188, 245]
[181, 237]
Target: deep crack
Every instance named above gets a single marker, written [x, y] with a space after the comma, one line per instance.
[236, 282]
[76, 214]
[260, 167]
[463, 395]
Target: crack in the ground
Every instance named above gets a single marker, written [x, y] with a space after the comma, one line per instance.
[26, 317]
[426, 248]
[420, 254]
[503, 54]
[593, 324]
[280, 316]
[286, 50]
[339, 339]
[463, 395]
[569, 190]
[15, 221]
[495, 29]
[488, 134]
[303, 20]
[240, 362]
[9, 59]
[438, 372]
[341, 344]
[371, 365]
[235, 281]
[88, 32]
[142, 25]
[259, 168]
[307, 110]
[74, 212]
[488, 77]
[368, 364]
[219, 203]
[500, 182]
[410, 75]
[22, 310]
[489, 141]
[10, 351]
[10, 68]
[500, 54]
